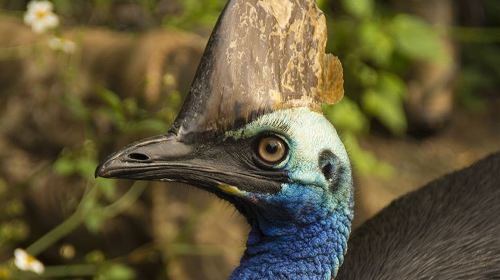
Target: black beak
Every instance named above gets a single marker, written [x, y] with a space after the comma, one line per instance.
[149, 159]
[216, 168]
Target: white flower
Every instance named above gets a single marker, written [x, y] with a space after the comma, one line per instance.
[62, 44]
[40, 16]
[26, 262]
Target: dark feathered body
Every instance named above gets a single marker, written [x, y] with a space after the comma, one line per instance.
[450, 229]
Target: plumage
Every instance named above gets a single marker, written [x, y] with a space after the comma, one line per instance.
[449, 229]
[250, 132]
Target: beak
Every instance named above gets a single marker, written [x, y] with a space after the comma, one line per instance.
[215, 168]
[148, 159]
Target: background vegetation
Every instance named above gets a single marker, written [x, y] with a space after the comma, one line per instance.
[419, 74]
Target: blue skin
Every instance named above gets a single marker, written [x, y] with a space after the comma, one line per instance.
[302, 231]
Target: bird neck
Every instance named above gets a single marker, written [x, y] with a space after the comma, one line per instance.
[311, 251]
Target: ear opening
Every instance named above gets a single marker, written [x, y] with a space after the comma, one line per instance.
[329, 166]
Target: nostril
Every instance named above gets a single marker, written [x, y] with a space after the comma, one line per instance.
[138, 156]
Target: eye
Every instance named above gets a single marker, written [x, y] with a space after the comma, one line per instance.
[272, 149]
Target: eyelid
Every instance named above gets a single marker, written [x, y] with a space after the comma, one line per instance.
[273, 132]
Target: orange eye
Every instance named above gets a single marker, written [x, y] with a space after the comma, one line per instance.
[272, 149]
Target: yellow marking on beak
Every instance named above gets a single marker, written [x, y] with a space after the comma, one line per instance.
[229, 189]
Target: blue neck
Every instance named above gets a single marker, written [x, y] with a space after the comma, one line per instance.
[312, 251]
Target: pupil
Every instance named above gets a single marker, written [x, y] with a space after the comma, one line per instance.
[272, 148]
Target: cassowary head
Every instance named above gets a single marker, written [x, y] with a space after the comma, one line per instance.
[284, 167]
[251, 129]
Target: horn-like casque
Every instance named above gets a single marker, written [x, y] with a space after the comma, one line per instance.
[263, 55]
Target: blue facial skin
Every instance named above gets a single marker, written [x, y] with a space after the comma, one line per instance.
[302, 231]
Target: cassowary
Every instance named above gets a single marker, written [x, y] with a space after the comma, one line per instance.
[251, 132]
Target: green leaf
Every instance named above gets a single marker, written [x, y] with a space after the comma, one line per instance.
[385, 102]
[107, 187]
[95, 256]
[86, 167]
[112, 100]
[359, 8]
[322, 4]
[64, 166]
[62, 6]
[94, 220]
[115, 272]
[387, 110]
[364, 161]
[392, 86]
[375, 44]
[346, 116]
[77, 108]
[174, 100]
[367, 75]
[130, 106]
[195, 13]
[14, 208]
[14, 230]
[415, 38]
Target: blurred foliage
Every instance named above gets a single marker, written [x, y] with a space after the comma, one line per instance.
[196, 13]
[12, 228]
[377, 47]
[480, 43]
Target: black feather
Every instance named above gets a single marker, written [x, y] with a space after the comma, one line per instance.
[449, 229]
